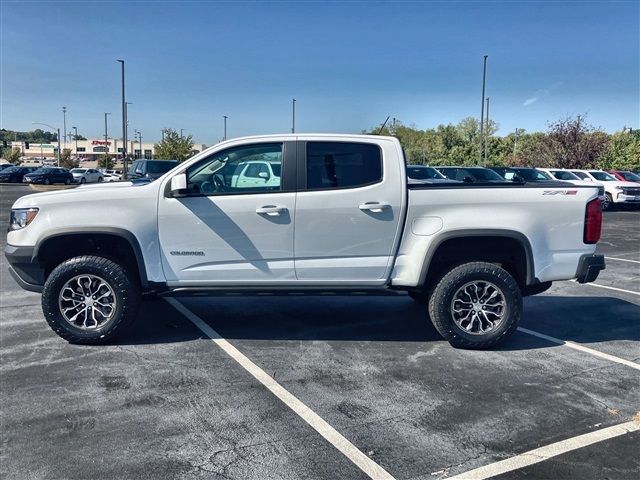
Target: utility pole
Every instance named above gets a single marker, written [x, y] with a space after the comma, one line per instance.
[225, 127]
[181, 130]
[76, 137]
[293, 116]
[64, 123]
[106, 134]
[486, 133]
[124, 122]
[484, 81]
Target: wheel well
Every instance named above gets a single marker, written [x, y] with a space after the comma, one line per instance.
[53, 251]
[509, 253]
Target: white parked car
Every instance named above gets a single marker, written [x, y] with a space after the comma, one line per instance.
[334, 213]
[87, 175]
[568, 176]
[616, 191]
[109, 177]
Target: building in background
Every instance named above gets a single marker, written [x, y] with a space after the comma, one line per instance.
[90, 149]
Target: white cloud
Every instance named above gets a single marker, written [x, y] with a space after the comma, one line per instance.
[540, 94]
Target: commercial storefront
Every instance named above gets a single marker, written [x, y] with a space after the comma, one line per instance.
[90, 149]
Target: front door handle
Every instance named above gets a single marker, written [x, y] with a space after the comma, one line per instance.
[271, 210]
[375, 207]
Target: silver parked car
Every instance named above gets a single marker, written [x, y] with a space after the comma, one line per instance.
[87, 175]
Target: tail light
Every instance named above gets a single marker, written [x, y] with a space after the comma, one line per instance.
[593, 221]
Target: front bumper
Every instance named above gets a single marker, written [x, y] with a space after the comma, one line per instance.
[24, 268]
[589, 267]
[622, 198]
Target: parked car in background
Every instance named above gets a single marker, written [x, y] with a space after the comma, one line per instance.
[150, 169]
[14, 174]
[625, 175]
[5, 165]
[109, 177]
[424, 174]
[87, 175]
[471, 174]
[49, 176]
[523, 174]
[567, 176]
[615, 191]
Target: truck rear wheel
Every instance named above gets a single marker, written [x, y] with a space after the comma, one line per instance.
[476, 306]
[90, 300]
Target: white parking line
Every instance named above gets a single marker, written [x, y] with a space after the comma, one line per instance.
[348, 449]
[545, 453]
[622, 259]
[577, 346]
[613, 288]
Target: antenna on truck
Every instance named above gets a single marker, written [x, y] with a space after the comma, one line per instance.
[385, 122]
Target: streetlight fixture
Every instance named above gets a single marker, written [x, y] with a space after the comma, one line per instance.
[52, 128]
[124, 123]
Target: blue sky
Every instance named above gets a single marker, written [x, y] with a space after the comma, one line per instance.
[348, 64]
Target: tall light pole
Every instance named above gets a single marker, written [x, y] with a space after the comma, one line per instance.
[181, 130]
[484, 81]
[293, 116]
[125, 153]
[515, 143]
[55, 129]
[64, 123]
[225, 127]
[487, 134]
[76, 137]
[106, 133]
[124, 122]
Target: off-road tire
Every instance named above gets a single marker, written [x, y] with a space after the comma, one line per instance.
[448, 285]
[125, 288]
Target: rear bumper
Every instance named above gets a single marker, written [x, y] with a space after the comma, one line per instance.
[589, 267]
[24, 268]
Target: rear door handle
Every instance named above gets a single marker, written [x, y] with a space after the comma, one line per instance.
[271, 210]
[375, 207]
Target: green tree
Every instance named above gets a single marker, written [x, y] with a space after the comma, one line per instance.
[13, 155]
[66, 161]
[105, 161]
[174, 147]
[623, 152]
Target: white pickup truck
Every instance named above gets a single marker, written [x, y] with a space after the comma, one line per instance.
[321, 213]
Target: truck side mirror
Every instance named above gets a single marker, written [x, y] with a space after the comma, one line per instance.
[178, 184]
[264, 175]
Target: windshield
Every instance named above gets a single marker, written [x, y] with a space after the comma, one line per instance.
[160, 167]
[603, 176]
[564, 175]
[79, 170]
[43, 170]
[423, 173]
[485, 174]
[531, 174]
[630, 176]
[582, 175]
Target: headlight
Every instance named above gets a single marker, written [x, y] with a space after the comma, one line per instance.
[22, 217]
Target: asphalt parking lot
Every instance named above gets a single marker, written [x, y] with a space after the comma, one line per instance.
[170, 402]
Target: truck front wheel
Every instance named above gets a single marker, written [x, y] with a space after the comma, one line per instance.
[89, 300]
[476, 305]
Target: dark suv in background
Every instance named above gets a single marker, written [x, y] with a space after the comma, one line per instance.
[150, 169]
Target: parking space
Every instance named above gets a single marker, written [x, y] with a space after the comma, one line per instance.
[167, 401]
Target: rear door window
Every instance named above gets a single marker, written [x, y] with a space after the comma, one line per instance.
[342, 165]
